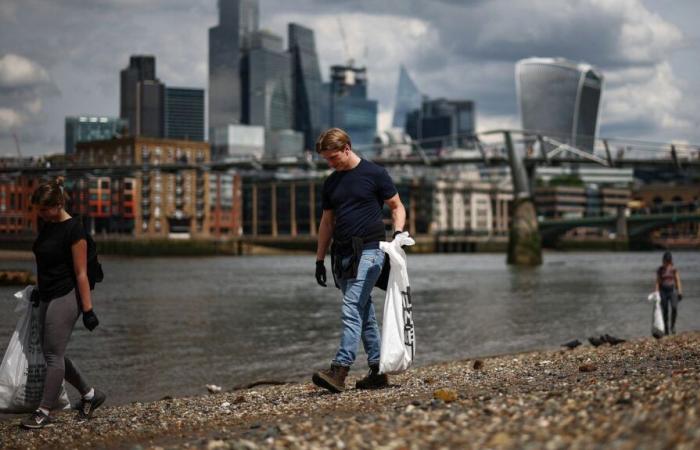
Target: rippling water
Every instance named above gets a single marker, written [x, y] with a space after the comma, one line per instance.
[170, 326]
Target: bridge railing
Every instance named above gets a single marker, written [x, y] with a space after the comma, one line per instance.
[489, 146]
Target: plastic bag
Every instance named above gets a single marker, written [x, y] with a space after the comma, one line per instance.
[657, 320]
[23, 368]
[398, 335]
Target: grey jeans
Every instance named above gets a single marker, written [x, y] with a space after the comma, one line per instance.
[59, 316]
[669, 298]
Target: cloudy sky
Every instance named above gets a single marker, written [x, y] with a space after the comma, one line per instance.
[63, 57]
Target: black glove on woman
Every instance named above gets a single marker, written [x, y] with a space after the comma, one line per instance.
[321, 273]
[90, 320]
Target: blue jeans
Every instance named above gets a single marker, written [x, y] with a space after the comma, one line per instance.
[359, 320]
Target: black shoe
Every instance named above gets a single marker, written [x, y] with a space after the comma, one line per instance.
[373, 380]
[87, 407]
[37, 420]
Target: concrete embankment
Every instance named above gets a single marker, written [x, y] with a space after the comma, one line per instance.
[639, 394]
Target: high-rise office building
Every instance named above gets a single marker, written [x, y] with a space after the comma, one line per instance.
[442, 123]
[267, 83]
[345, 105]
[268, 97]
[184, 114]
[306, 82]
[142, 97]
[559, 98]
[238, 20]
[408, 98]
[91, 128]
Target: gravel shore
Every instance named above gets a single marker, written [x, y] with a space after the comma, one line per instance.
[642, 394]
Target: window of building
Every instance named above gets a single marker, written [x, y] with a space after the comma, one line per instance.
[93, 208]
[93, 196]
[105, 197]
[104, 184]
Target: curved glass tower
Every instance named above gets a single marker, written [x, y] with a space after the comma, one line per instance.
[559, 98]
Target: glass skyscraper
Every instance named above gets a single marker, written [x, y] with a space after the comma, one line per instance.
[142, 97]
[184, 114]
[306, 82]
[345, 105]
[84, 128]
[408, 99]
[559, 98]
[268, 83]
[442, 123]
[228, 41]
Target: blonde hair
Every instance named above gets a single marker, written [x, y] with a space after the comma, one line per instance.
[333, 139]
[50, 194]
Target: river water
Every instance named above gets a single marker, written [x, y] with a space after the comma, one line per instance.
[170, 326]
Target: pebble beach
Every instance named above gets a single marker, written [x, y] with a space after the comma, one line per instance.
[641, 394]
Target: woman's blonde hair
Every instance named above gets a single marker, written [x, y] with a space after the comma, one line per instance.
[50, 194]
[332, 139]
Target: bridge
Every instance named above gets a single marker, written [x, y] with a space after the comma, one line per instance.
[519, 150]
[636, 227]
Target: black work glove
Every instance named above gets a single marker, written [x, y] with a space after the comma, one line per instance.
[321, 273]
[34, 297]
[90, 320]
[680, 297]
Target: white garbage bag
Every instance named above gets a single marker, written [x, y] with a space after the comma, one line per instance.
[23, 368]
[657, 320]
[398, 336]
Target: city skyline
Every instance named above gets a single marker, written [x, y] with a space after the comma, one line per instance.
[643, 48]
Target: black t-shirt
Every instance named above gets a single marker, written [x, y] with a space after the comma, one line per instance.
[357, 197]
[54, 260]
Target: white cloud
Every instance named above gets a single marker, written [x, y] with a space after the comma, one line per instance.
[487, 122]
[18, 72]
[9, 119]
[648, 96]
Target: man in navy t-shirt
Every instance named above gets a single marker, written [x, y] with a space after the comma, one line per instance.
[353, 198]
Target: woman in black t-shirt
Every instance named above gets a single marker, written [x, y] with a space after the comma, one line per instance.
[63, 293]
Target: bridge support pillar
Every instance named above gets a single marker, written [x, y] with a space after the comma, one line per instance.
[524, 242]
[621, 224]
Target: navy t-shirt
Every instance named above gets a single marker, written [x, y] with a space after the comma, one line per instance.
[54, 258]
[357, 197]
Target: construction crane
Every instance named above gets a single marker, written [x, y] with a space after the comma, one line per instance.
[350, 59]
[19, 152]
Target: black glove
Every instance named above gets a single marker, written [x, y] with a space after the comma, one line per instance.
[90, 320]
[680, 297]
[321, 273]
[34, 297]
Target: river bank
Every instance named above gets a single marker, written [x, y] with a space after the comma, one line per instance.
[639, 394]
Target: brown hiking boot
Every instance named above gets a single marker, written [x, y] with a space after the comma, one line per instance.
[373, 380]
[332, 379]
